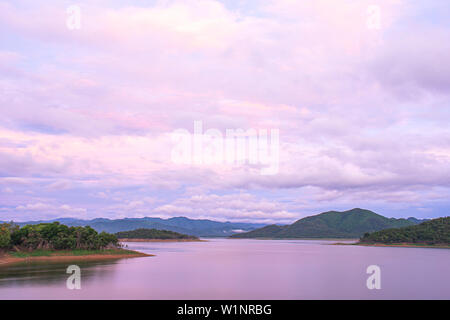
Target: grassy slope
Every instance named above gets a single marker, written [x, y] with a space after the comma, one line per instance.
[52, 253]
[67, 255]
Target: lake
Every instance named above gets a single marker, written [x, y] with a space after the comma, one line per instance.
[241, 269]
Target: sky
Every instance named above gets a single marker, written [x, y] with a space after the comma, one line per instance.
[358, 92]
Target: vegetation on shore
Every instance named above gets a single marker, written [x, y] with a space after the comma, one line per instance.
[57, 242]
[434, 232]
[151, 234]
[333, 224]
[53, 236]
[74, 253]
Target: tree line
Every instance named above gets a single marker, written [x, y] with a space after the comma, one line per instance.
[143, 233]
[436, 231]
[54, 236]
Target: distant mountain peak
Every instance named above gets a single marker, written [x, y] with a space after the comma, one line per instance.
[331, 224]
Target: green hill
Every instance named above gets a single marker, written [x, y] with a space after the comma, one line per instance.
[333, 224]
[432, 232]
[153, 234]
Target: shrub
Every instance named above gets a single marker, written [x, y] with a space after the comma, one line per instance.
[60, 237]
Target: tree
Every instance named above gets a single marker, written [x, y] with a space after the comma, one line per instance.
[5, 236]
[60, 237]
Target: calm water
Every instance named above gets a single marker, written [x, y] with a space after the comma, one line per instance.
[242, 269]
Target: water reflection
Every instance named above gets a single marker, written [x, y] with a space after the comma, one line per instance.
[240, 269]
[40, 273]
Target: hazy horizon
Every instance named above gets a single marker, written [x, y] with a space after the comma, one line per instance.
[191, 218]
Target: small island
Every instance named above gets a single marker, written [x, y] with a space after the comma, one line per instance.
[430, 234]
[58, 242]
[153, 235]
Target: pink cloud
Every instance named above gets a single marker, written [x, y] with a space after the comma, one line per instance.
[359, 111]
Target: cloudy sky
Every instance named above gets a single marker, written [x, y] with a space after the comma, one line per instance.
[360, 96]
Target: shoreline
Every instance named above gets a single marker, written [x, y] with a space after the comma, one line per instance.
[395, 245]
[57, 256]
[322, 239]
[162, 240]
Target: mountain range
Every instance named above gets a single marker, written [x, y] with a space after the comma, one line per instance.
[193, 227]
[332, 224]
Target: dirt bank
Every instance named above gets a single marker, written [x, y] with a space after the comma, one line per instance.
[7, 259]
